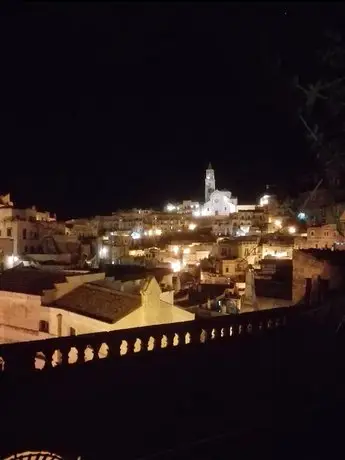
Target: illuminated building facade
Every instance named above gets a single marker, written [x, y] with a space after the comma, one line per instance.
[217, 202]
[24, 231]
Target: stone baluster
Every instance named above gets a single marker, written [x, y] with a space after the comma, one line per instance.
[114, 345]
[208, 334]
[170, 335]
[249, 328]
[80, 347]
[96, 345]
[130, 345]
[64, 349]
[144, 342]
[229, 328]
[195, 333]
[47, 349]
[152, 343]
[211, 334]
[159, 341]
[14, 361]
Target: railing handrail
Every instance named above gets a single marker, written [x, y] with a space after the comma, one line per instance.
[23, 357]
[149, 330]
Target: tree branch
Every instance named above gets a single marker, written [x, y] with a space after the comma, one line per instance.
[311, 132]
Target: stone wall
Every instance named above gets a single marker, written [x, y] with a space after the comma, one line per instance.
[306, 266]
[167, 297]
[6, 245]
[19, 316]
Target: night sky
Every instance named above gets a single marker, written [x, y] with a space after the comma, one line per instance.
[120, 105]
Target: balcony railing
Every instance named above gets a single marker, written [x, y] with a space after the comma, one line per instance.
[50, 354]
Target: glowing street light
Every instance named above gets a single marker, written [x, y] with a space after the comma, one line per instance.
[302, 216]
[192, 226]
[278, 223]
[264, 200]
[103, 252]
[292, 230]
[135, 235]
[175, 249]
[170, 207]
[176, 266]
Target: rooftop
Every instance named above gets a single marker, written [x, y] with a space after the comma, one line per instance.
[134, 272]
[130, 286]
[189, 237]
[99, 302]
[239, 239]
[32, 280]
[277, 238]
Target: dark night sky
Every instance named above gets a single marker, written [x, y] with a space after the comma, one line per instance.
[112, 106]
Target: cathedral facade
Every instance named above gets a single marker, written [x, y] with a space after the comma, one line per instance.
[217, 202]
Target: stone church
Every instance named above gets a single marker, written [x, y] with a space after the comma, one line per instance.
[217, 202]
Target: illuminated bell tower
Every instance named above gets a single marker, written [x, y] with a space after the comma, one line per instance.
[210, 182]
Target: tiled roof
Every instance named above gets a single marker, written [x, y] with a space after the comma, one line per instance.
[30, 280]
[99, 302]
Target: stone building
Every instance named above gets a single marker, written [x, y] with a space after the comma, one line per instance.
[135, 224]
[252, 220]
[27, 228]
[37, 304]
[232, 267]
[274, 279]
[84, 228]
[277, 246]
[217, 202]
[246, 247]
[317, 272]
[325, 237]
